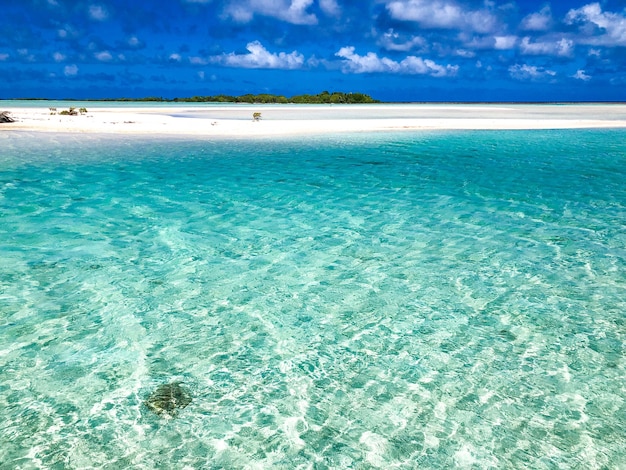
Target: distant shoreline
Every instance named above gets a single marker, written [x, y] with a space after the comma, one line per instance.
[325, 97]
[183, 101]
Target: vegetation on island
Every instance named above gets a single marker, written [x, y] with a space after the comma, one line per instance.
[69, 112]
[324, 97]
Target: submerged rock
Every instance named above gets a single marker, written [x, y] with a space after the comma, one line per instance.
[168, 399]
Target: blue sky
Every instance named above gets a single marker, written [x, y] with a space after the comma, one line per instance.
[399, 50]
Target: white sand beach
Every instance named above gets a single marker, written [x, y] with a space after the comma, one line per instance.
[237, 120]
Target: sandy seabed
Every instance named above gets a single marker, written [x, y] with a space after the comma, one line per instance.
[237, 120]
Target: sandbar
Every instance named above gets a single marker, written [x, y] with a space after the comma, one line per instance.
[283, 120]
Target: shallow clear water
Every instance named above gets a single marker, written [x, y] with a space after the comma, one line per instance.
[424, 300]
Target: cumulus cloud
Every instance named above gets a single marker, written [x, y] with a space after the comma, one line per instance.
[25, 55]
[290, 11]
[599, 27]
[442, 14]
[98, 12]
[562, 48]
[260, 58]
[500, 43]
[465, 53]
[371, 63]
[330, 7]
[581, 75]
[540, 21]
[70, 70]
[504, 42]
[58, 57]
[196, 60]
[174, 57]
[393, 41]
[103, 56]
[530, 72]
[134, 42]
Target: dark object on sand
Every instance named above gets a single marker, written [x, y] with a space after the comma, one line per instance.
[70, 112]
[4, 117]
[168, 399]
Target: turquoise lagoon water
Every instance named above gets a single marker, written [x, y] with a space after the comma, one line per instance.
[414, 300]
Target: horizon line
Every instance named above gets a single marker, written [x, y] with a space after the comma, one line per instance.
[173, 100]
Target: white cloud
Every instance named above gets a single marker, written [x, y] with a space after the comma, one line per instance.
[290, 11]
[417, 65]
[26, 55]
[103, 56]
[134, 41]
[70, 70]
[563, 47]
[98, 12]
[330, 7]
[540, 21]
[365, 64]
[67, 31]
[3, 56]
[444, 14]
[260, 58]
[500, 43]
[581, 75]
[504, 42]
[465, 53]
[195, 60]
[530, 72]
[58, 57]
[175, 57]
[593, 20]
[393, 41]
[313, 62]
[371, 63]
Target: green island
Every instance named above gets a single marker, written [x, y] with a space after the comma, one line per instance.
[324, 97]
